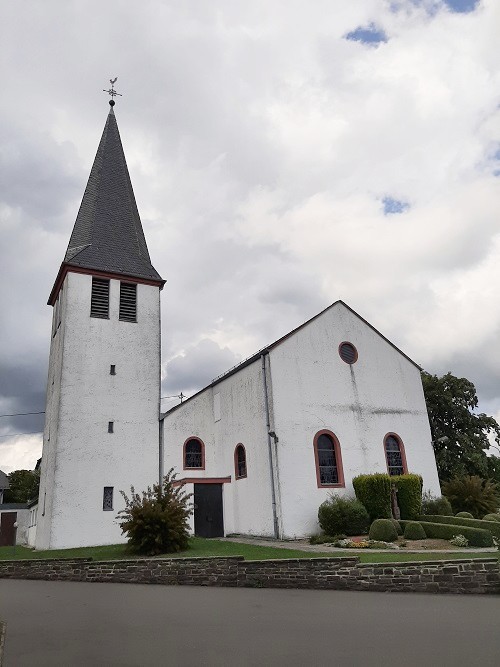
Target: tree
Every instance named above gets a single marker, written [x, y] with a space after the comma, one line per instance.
[156, 521]
[461, 436]
[23, 486]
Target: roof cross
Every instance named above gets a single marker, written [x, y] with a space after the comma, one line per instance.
[111, 91]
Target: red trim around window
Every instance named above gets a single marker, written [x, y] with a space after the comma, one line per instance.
[401, 450]
[338, 459]
[202, 480]
[184, 467]
[236, 476]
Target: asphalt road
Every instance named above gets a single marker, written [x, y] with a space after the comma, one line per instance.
[72, 624]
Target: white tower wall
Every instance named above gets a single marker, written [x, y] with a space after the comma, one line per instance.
[80, 457]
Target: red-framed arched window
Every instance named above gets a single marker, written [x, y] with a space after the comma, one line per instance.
[395, 455]
[194, 454]
[329, 471]
[240, 462]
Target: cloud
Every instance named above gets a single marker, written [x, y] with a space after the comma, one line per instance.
[277, 167]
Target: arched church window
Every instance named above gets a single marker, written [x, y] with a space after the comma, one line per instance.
[328, 460]
[194, 454]
[240, 462]
[394, 454]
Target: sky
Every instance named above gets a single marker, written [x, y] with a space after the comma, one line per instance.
[284, 154]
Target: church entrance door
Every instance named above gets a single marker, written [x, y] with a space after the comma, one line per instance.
[7, 530]
[208, 513]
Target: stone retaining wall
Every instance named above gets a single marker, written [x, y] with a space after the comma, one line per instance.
[454, 576]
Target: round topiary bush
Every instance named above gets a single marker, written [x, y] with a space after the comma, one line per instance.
[464, 515]
[433, 505]
[383, 530]
[414, 531]
[397, 526]
[343, 515]
[492, 517]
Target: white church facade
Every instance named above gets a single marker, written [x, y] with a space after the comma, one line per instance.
[260, 448]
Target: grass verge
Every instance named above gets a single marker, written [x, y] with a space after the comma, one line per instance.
[201, 547]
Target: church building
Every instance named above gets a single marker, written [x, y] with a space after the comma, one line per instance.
[260, 448]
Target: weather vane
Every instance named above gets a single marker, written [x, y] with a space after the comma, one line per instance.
[111, 91]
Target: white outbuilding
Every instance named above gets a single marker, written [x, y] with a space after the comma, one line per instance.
[260, 448]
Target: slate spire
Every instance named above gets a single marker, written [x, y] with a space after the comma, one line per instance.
[108, 235]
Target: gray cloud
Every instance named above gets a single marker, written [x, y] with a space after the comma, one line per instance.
[261, 144]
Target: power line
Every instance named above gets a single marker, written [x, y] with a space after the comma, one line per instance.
[22, 414]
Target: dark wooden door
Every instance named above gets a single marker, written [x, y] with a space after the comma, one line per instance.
[208, 513]
[7, 530]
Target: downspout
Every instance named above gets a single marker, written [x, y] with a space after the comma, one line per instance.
[160, 452]
[270, 448]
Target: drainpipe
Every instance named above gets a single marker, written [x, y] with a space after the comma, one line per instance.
[270, 448]
[160, 452]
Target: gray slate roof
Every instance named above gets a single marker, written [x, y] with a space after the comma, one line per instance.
[108, 234]
[4, 480]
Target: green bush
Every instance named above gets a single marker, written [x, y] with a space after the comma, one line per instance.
[476, 536]
[472, 494]
[374, 491]
[409, 495]
[383, 530]
[397, 526]
[492, 517]
[156, 521]
[433, 505]
[464, 515]
[414, 531]
[343, 515]
[492, 526]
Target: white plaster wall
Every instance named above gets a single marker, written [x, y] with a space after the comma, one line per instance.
[314, 389]
[22, 524]
[85, 457]
[247, 502]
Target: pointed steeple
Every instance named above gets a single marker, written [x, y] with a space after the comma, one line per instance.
[108, 235]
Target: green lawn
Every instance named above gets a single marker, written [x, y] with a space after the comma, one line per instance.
[202, 547]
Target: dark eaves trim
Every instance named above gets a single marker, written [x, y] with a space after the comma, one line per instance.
[68, 268]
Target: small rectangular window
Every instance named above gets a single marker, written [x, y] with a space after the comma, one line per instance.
[128, 302]
[107, 499]
[112, 369]
[99, 302]
[111, 427]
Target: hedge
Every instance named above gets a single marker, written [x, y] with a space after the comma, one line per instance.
[383, 530]
[414, 531]
[492, 526]
[444, 531]
[374, 491]
[409, 495]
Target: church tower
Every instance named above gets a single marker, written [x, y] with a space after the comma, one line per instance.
[103, 390]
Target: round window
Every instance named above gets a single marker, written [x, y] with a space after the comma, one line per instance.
[348, 353]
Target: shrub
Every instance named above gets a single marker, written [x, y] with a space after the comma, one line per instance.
[409, 495]
[492, 526]
[492, 517]
[374, 491]
[397, 526]
[476, 536]
[472, 494]
[343, 515]
[433, 505]
[459, 541]
[325, 539]
[383, 530]
[464, 515]
[156, 521]
[414, 531]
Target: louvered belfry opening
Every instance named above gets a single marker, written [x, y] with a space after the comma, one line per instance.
[128, 302]
[99, 302]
